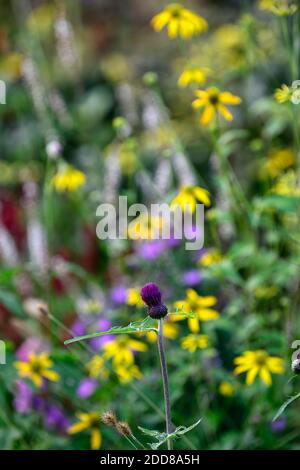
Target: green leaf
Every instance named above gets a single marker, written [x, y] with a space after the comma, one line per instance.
[285, 405]
[134, 327]
[12, 303]
[162, 437]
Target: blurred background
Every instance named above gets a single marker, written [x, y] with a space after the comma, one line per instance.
[94, 109]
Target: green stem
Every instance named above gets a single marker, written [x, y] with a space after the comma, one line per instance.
[165, 378]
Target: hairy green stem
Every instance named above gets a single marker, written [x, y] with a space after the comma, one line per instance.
[165, 378]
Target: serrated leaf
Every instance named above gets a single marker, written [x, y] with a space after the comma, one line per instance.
[162, 437]
[134, 327]
[285, 405]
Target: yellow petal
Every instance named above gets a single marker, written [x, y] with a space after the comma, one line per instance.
[173, 28]
[36, 379]
[251, 375]
[51, 375]
[225, 112]
[207, 115]
[78, 427]
[95, 439]
[228, 98]
[207, 301]
[206, 314]
[202, 195]
[265, 376]
[137, 345]
[193, 324]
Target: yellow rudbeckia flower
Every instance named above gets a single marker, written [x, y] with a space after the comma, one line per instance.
[192, 76]
[213, 101]
[193, 342]
[37, 368]
[189, 196]
[120, 350]
[199, 306]
[88, 421]
[68, 178]
[180, 22]
[258, 362]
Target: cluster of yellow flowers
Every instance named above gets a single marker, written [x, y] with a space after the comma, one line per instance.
[182, 22]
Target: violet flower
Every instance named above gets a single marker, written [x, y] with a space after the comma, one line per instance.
[86, 387]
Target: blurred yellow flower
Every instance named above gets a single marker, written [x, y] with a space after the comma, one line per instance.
[213, 101]
[258, 362]
[37, 368]
[283, 94]
[88, 421]
[41, 19]
[189, 196]
[279, 7]
[145, 227]
[211, 257]
[193, 342]
[286, 185]
[120, 350]
[68, 178]
[199, 306]
[127, 373]
[170, 331]
[134, 298]
[180, 22]
[11, 66]
[96, 368]
[226, 389]
[193, 76]
[279, 160]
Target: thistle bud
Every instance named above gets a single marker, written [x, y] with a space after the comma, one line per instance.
[151, 295]
[109, 418]
[123, 428]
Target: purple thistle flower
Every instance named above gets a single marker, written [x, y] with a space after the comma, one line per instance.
[86, 388]
[151, 295]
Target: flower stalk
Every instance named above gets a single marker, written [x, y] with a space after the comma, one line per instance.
[165, 378]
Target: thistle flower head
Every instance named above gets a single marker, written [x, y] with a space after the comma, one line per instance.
[109, 418]
[123, 428]
[151, 295]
